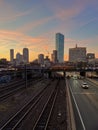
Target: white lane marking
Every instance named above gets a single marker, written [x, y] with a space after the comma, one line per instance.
[84, 128]
[85, 93]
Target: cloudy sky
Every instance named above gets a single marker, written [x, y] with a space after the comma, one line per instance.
[33, 24]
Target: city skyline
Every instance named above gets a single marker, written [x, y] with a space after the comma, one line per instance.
[33, 25]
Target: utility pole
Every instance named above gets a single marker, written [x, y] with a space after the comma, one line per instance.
[25, 76]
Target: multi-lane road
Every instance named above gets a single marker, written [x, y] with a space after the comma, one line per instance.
[85, 104]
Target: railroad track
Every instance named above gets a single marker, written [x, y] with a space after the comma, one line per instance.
[9, 85]
[53, 114]
[16, 84]
[16, 119]
[43, 119]
[9, 91]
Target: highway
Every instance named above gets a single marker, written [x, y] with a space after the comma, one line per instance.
[85, 103]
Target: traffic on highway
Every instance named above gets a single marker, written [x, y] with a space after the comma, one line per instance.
[84, 102]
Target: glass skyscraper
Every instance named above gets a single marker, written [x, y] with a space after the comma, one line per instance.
[60, 47]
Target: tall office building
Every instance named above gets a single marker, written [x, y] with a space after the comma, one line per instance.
[60, 47]
[19, 58]
[25, 55]
[11, 55]
[77, 54]
[55, 56]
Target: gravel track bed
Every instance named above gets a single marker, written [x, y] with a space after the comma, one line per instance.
[12, 104]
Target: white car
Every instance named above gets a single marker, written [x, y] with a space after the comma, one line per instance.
[85, 85]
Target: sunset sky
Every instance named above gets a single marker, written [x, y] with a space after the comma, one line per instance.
[33, 24]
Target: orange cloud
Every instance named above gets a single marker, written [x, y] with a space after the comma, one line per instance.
[17, 41]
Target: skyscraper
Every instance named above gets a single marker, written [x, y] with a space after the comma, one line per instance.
[19, 58]
[54, 56]
[25, 55]
[60, 47]
[11, 55]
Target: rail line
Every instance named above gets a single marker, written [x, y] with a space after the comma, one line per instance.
[9, 91]
[16, 119]
[42, 121]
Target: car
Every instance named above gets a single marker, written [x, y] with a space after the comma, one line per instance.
[75, 76]
[85, 85]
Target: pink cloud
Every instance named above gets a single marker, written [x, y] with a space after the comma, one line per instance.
[17, 41]
[62, 14]
[8, 12]
[31, 25]
[67, 12]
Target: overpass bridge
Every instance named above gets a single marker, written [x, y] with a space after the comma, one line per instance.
[64, 69]
[49, 71]
[82, 71]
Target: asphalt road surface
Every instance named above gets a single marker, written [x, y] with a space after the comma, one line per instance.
[86, 102]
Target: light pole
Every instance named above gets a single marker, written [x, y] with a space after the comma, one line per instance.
[25, 75]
